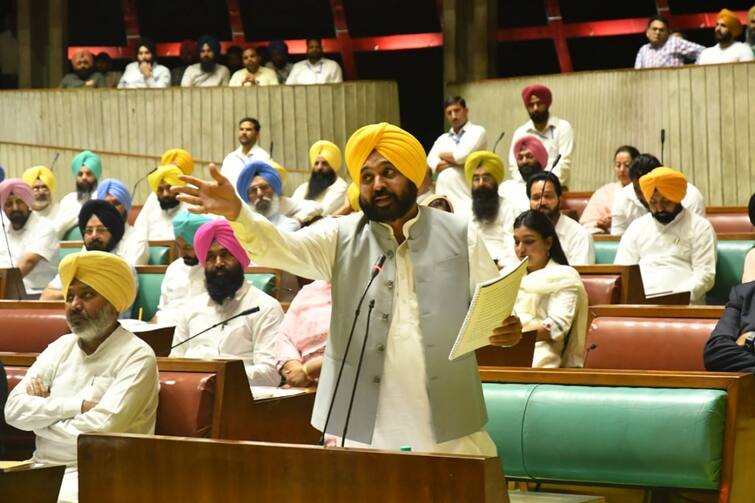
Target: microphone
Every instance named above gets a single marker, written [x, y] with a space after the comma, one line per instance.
[246, 312]
[54, 160]
[500, 137]
[272, 144]
[663, 143]
[140, 180]
[376, 268]
[371, 306]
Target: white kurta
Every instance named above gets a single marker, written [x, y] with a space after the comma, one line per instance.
[678, 257]
[50, 212]
[180, 283]
[133, 78]
[558, 138]
[300, 210]
[576, 241]
[249, 338]
[155, 223]
[403, 411]
[627, 208]
[330, 200]
[194, 76]
[68, 214]
[451, 182]
[262, 77]
[514, 192]
[325, 71]
[738, 51]
[236, 160]
[133, 248]
[498, 235]
[121, 376]
[37, 236]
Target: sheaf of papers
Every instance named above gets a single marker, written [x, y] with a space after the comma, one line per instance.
[493, 302]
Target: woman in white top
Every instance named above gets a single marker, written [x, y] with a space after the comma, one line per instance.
[552, 299]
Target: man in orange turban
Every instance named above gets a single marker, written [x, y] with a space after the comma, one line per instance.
[675, 247]
[421, 267]
[727, 49]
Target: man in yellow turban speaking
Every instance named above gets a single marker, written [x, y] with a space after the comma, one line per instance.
[100, 378]
[675, 247]
[325, 187]
[418, 269]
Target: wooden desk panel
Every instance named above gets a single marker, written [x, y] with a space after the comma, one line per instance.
[160, 469]
[31, 485]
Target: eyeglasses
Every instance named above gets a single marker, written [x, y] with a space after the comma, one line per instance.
[99, 230]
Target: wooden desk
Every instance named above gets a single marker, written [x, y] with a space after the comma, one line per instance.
[632, 287]
[160, 469]
[31, 485]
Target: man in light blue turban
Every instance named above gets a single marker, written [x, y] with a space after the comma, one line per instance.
[260, 186]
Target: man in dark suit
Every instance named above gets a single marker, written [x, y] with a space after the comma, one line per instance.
[731, 347]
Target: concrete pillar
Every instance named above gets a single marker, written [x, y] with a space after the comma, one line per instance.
[469, 40]
[42, 29]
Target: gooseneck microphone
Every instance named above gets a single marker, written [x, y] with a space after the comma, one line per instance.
[376, 268]
[140, 180]
[54, 161]
[500, 137]
[246, 312]
[663, 143]
[370, 307]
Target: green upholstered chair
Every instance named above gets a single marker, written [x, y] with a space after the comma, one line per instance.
[266, 282]
[147, 295]
[608, 435]
[605, 251]
[159, 255]
[730, 264]
[73, 234]
[64, 251]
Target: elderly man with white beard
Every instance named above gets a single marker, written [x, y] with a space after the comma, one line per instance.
[260, 186]
[99, 378]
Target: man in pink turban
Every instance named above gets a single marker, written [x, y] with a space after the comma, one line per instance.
[32, 246]
[555, 134]
[250, 337]
[531, 158]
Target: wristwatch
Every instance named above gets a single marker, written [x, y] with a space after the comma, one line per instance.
[750, 343]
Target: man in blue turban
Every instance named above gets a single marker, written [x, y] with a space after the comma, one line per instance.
[208, 72]
[260, 186]
[134, 246]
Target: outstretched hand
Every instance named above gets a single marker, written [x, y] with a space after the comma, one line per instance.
[508, 333]
[217, 196]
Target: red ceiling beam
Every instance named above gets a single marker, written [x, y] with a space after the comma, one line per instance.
[237, 26]
[130, 23]
[556, 24]
[344, 40]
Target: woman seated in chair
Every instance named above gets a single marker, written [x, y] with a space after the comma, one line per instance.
[552, 299]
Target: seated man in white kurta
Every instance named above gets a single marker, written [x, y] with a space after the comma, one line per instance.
[87, 168]
[324, 187]
[98, 379]
[630, 204]
[155, 221]
[409, 392]
[184, 277]
[42, 182]
[492, 217]
[449, 153]
[544, 191]
[675, 248]
[251, 338]
[531, 158]
[32, 246]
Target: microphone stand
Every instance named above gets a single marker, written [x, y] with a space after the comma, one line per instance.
[663, 143]
[500, 137]
[370, 307]
[242, 313]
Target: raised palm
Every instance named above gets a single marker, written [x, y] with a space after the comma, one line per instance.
[217, 196]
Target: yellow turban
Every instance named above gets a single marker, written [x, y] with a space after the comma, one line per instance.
[731, 21]
[352, 193]
[168, 173]
[399, 147]
[282, 172]
[43, 173]
[108, 274]
[329, 151]
[484, 159]
[178, 158]
[670, 183]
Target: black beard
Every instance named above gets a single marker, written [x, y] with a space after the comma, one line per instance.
[168, 203]
[84, 73]
[485, 204]
[84, 189]
[207, 65]
[18, 219]
[722, 39]
[527, 170]
[190, 261]
[318, 182]
[224, 283]
[666, 217]
[399, 207]
[98, 245]
[539, 117]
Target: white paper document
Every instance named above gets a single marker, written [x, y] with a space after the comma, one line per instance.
[493, 302]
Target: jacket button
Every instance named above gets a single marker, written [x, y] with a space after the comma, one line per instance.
[389, 254]
[381, 348]
[376, 379]
[389, 284]
[384, 316]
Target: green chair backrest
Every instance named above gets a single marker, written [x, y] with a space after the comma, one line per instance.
[605, 251]
[730, 263]
[608, 435]
[158, 255]
[63, 252]
[264, 282]
[147, 295]
[73, 234]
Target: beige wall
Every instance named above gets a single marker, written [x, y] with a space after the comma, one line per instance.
[708, 113]
[131, 128]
